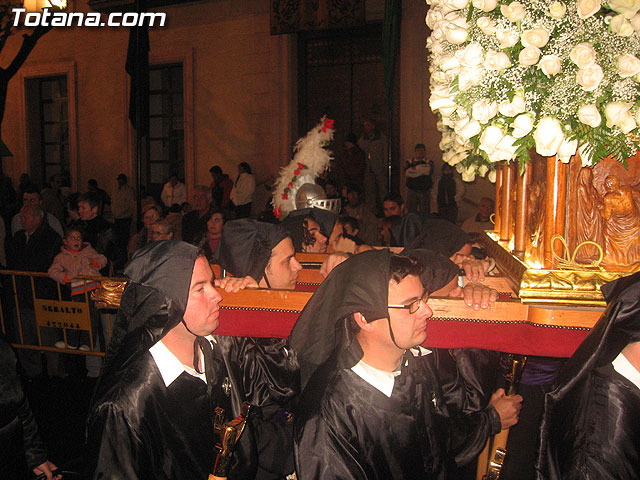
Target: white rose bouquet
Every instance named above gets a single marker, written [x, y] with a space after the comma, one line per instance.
[558, 75]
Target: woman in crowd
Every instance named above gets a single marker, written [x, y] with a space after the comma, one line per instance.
[150, 214]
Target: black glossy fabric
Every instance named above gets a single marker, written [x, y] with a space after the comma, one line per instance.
[139, 428]
[347, 429]
[245, 247]
[438, 271]
[21, 448]
[591, 423]
[438, 235]
[294, 224]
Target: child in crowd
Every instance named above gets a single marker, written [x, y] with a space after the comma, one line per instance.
[76, 258]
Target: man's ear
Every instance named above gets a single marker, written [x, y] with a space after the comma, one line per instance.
[361, 321]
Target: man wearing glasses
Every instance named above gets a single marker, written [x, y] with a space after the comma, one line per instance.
[374, 406]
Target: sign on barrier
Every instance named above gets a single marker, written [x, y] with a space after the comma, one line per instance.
[61, 314]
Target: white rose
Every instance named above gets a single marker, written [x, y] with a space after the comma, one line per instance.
[557, 10]
[626, 7]
[441, 100]
[449, 63]
[635, 22]
[586, 155]
[550, 65]
[450, 5]
[529, 55]
[638, 117]
[514, 11]
[485, 5]
[434, 15]
[617, 114]
[470, 77]
[583, 55]
[567, 150]
[482, 170]
[469, 129]
[456, 29]
[588, 8]
[590, 78]
[621, 26]
[513, 108]
[497, 61]
[469, 174]
[505, 150]
[628, 65]
[522, 125]
[548, 136]
[536, 37]
[490, 139]
[492, 176]
[453, 158]
[471, 56]
[589, 115]
[484, 110]
[507, 38]
[487, 26]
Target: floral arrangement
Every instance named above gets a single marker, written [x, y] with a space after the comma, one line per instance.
[560, 76]
[310, 159]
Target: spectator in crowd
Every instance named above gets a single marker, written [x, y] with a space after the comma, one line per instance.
[173, 192]
[165, 373]
[350, 226]
[150, 215]
[33, 249]
[331, 188]
[221, 186]
[102, 195]
[31, 196]
[482, 220]
[52, 200]
[194, 223]
[418, 171]
[98, 232]
[448, 195]
[22, 451]
[161, 229]
[376, 148]
[77, 258]
[351, 164]
[71, 205]
[215, 225]
[242, 192]
[123, 207]
[393, 204]
[356, 208]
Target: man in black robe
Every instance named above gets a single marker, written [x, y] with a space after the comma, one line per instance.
[164, 374]
[373, 407]
[591, 424]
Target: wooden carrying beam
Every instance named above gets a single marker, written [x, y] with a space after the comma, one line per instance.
[507, 326]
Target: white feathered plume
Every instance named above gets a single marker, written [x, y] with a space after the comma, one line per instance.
[310, 160]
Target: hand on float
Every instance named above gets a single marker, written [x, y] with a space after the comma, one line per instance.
[507, 407]
[331, 262]
[235, 284]
[478, 296]
[47, 469]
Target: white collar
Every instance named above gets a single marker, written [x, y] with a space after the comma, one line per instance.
[170, 366]
[381, 379]
[628, 371]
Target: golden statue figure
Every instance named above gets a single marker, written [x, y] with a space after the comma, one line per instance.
[588, 218]
[621, 217]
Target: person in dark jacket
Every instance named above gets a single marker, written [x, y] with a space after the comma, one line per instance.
[591, 423]
[373, 406]
[164, 374]
[21, 449]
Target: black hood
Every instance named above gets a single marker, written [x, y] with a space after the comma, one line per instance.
[360, 284]
[245, 247]
[155, 298]
[438, 269]
[440, 236]
[294, 223]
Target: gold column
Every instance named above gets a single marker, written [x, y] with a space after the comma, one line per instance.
[498, 213]
[555, 205]
[505, 201]
[520, 242]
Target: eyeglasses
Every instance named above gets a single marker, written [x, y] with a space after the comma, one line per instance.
[414, 306]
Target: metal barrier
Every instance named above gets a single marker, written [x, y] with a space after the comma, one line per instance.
[32, 317]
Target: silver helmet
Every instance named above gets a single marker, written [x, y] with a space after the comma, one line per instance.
[311, 195]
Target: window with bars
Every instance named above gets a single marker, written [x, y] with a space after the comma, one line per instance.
[166, 125]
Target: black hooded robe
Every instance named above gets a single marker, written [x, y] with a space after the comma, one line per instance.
[139, 428]
[345, 428]
[591, 423]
